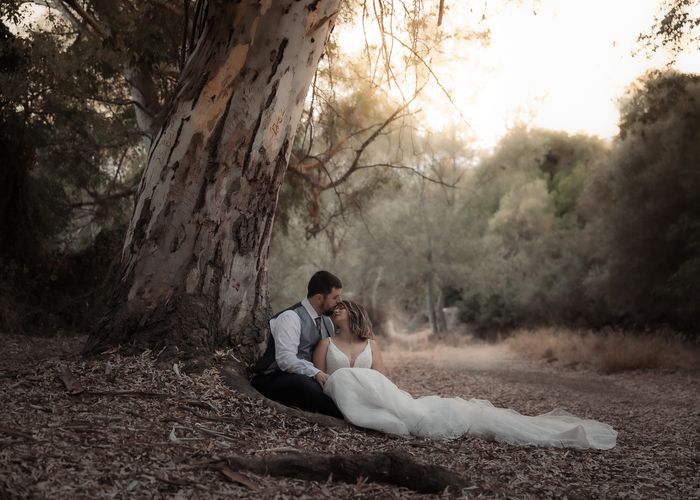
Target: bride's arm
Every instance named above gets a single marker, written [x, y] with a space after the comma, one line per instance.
[377, 361]
[319, 357]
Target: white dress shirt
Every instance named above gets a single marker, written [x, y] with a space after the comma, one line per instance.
[286, 330]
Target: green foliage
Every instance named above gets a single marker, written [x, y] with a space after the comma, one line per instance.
[350, 139]
[566, 190]
[515, 243]
[66, 98]
[10, 10]
[676, 28]
[645, 203]
[548, 229]
[71, 148]
[528, 255]
[63, 142]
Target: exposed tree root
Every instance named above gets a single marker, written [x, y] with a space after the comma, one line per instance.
[392, 467]
[241, 384]
[232, 376]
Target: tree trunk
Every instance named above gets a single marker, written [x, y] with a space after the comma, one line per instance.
[375, 288]
[194, 263]
[145, 96]
[18, 235]
[440, 319]
[430, 304]
[435, 304]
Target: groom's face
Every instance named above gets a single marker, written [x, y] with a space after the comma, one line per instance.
[330, 301]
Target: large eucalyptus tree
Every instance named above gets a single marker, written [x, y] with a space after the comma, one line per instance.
[194, 263]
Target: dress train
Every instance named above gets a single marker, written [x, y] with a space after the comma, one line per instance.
[369, 399]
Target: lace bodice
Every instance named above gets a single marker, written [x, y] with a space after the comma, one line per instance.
[335, 358]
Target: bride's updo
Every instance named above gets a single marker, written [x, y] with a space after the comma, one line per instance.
[358, 319]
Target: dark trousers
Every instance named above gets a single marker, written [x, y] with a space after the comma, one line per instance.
[292, 389]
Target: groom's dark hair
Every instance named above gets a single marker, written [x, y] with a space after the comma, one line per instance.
[323, 282]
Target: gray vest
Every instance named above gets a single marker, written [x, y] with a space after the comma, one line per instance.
[307, 340]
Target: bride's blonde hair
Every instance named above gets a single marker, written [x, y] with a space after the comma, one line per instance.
[358, 319]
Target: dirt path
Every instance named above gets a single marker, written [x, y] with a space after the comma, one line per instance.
[656, 413]
[498, 364]
[140, 431]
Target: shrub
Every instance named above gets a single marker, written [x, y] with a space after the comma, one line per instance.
[609, 352]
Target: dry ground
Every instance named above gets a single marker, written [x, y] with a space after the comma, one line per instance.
[140, 431]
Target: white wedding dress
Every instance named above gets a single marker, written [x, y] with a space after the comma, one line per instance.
[369, 399]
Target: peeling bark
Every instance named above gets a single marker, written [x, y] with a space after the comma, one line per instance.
[194, 263]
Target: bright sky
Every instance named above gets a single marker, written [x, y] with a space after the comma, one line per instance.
[556, 64]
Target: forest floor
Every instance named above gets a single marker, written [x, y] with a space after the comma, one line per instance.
[127, 427]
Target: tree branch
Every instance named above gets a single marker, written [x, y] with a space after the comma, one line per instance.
[367, 142]
[101, 199]
[441, 11]
[435, 77]
[411, 169]
[121, 102]
[87, 18]
[332, 150]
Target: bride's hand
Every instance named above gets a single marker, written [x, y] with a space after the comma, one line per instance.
[321, 378]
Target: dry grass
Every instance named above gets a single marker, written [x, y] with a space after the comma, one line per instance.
[609, 352]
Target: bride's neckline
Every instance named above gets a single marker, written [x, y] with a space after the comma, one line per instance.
[351, 364]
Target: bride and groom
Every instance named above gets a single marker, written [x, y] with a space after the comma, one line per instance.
[335, 367]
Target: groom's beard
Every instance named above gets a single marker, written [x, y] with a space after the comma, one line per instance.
[328, 312]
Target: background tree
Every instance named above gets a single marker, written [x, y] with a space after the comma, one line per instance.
[144, 43]
[395, 243]
[645, 204]
[70, 159]
[532, 257]
[676, 28]
[549, 229]
[93, 78]
[506, 245]
[80, 150]
[348, 141]
[361, 118]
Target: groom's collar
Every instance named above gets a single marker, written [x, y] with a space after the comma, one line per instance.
[310, 309]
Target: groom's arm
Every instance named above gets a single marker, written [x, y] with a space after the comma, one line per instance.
[286, 330]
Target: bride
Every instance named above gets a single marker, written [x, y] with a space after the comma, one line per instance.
[367, 398]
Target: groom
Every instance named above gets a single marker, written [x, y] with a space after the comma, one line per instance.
[285, 372]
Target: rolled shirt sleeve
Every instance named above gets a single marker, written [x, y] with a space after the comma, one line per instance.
[286, 330]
